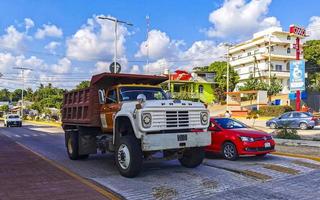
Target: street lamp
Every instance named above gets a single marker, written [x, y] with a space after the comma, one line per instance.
[228, 45]
[116, 21]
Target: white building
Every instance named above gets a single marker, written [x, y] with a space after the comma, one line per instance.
[252, 57]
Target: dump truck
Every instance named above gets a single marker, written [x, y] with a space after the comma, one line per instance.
[131, 116]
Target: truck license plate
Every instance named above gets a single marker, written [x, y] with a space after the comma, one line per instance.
[182, 137]
[267, 145]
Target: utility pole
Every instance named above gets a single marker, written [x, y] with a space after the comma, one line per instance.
[228, 72]
[148, 29]
[269, 60]
[22, 93]
[116, 22]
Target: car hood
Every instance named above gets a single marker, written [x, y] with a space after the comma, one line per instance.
[249, 132]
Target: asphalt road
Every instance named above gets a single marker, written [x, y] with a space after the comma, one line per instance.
[272, 177]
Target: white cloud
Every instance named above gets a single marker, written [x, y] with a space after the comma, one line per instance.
[313, 29]
[48, 30]
[6, 60]
[135, 69]
[160, 45]
[95, 41]
[12, 38]
[52, 46]
[63, 66]
[157, 67]
[202, 53]
[240, 18]
[101, 67]
[28, 23]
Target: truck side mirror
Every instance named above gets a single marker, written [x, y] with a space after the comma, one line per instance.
[102, 96]
[141, 98]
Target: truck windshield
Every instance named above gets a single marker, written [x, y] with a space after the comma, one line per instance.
[13, 116]
[151, 93]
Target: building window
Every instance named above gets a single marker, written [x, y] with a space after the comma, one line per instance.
[176, 88]
[288, 37]
[279, 68]
[288, 50]
[288, 66]
[249, 53]
[272, 48]
[200, 89]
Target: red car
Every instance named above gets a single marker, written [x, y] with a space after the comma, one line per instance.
[232, 138]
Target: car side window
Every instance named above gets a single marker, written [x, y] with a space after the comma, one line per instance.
[111, 96]
[285, 116]
[304, 115]
[297, 115]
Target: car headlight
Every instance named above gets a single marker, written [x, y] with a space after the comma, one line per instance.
[146, 120]
[246, 139]
[204, 117]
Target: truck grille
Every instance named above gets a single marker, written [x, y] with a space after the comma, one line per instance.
[177, 119]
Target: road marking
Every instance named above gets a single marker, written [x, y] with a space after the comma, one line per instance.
[42, 134]
[102, 190]
[18, 136]
[26, 135]
[297, 156]
[36, 135]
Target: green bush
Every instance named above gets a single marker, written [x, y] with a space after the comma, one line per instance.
[286, 133]
[273, 111]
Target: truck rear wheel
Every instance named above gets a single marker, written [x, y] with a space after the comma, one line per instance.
[72, 143]
[128, 156]
[192, 157]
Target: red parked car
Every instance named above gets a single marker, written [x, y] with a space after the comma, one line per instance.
[232, 138]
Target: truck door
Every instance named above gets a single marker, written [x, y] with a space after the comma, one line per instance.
[111, 107]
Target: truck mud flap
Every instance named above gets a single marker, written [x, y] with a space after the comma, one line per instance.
[87, 144]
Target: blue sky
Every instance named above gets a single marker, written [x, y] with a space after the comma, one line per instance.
[63, 39]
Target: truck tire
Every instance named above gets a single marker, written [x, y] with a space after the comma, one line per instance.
[192, 157]
[72, 143]
[128, 156]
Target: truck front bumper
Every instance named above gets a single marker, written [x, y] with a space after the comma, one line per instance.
[163, 141]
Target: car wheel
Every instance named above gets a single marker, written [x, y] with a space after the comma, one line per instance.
[128, 156]
[303, 126]
[192, 158]
[273, 125]
[229, 151]
[72, 143]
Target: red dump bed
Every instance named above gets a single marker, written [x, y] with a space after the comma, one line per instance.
[81, 107]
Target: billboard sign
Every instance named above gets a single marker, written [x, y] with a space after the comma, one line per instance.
[297, 30]
[297, 75]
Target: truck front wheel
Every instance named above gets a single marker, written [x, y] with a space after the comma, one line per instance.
[128, 156]
[192, 157]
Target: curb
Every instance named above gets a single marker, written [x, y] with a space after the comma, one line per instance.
[43, 123]
[100, 189]
[314, 158]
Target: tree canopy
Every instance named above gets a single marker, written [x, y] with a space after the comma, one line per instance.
[219, 68]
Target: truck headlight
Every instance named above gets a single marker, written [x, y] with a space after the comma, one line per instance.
[246, 139]
[204, 118]
[146, 120]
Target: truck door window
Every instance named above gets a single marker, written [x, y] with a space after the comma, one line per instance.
[111, 96]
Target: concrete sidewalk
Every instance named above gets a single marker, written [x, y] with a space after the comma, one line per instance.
[25, 175]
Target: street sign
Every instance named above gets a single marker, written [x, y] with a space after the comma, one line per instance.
[115, 68]
[297, 75]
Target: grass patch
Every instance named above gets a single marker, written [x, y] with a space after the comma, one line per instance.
[306, 164]
[282, 169]
[164, 193]
[209, 184]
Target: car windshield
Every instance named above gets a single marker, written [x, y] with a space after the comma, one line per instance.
[13, 116]
[227, 123]
[151, 93]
